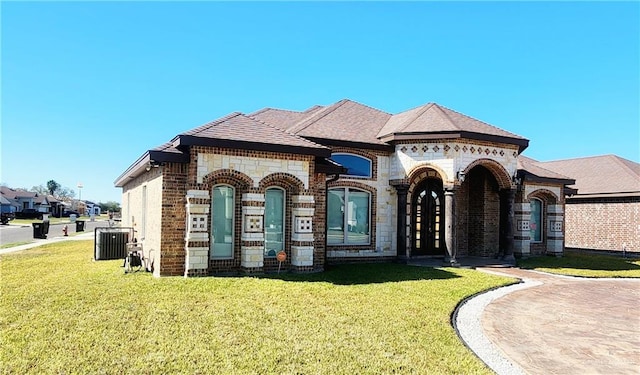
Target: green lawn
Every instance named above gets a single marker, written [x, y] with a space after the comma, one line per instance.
[61, 312]
[585, 265]
[14, 244]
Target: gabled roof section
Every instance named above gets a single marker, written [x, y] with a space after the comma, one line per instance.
[235, 130]
[533, 168]
[600, 176]
[435, 121]
[240, 131]
[346, 121]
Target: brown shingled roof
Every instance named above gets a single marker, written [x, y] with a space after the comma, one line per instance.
[432, 118]
[345, 120]
[600, 175]
[283, 119]
[245, 130]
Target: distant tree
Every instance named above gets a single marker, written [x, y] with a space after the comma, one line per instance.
[53, 186]
[65, 194]
[110, 206]
[40, 189]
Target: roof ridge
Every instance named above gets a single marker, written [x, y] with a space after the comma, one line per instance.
[424, 108]
[285, 131]
[366, 105]
[306, 122]
[480, 121]
[209, 124]
[621, 161]
[446, 115]
[272, 109]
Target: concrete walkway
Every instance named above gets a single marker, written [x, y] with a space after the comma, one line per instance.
[553, 324]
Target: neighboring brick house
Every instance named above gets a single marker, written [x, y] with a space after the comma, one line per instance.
[604, 214]
[339, 183]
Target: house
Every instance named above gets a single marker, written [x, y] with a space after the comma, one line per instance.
[21, 199]
[604, 214]
[92, 208]
[339, 183]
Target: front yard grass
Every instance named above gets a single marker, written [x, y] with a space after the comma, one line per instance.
[584, 265]
[61, 312]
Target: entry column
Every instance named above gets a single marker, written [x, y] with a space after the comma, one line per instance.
[450, 228]
[507, 199]
[401, 240]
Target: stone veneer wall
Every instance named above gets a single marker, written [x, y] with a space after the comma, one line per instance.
[449, 156]
[133, 214]
[383, 210]
[603, 224]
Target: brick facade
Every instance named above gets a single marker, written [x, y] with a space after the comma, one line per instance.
[603, 224]
[473, 177]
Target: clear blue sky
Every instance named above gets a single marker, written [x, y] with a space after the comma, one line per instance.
[87, 88]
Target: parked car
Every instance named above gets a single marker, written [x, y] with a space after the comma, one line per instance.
[69, 213]
[29, 213]
[6, 217]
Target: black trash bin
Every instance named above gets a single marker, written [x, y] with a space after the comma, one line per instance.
[45, 227]
[79, 225]
[38, 231]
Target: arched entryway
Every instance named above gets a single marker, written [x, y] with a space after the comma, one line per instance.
[427, 208]
[485, 210]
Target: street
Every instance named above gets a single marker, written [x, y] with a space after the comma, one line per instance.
[10, 234]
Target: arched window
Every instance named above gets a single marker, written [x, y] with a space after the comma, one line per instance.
[348, 217]
[222, 222]
[357, 166]
[274, 221]
[536, 223]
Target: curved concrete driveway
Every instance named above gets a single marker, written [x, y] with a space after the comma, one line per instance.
[558, 325]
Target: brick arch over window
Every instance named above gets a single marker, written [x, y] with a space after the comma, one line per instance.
[497, 170]
[228, 176]
[287, 181]
[544, 195]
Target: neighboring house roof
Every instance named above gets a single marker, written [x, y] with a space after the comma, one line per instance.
[435, 121]
[16, 193]
[600, 176]
[531, 170]
[42, 200]
[5, 201]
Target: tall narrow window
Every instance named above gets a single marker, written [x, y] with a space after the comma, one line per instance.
[274, 221]
[535, 224]
[222, 215]
[348, 215]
